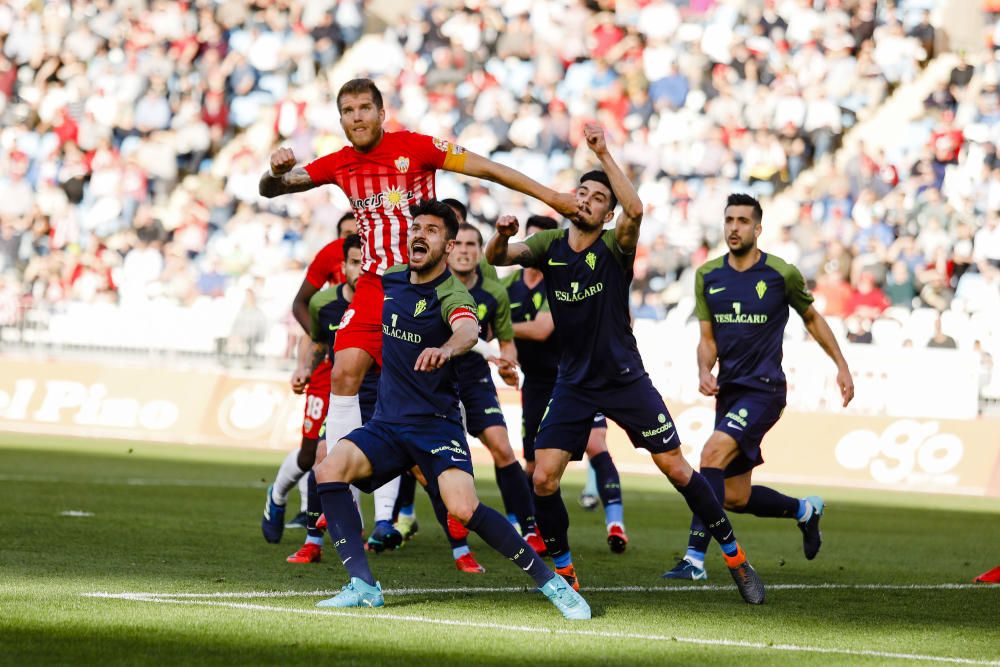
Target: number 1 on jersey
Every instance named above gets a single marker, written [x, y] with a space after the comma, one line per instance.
[575, 286]
[394, 316]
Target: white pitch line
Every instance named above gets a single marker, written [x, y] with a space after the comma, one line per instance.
[373, 615]
[246, 595]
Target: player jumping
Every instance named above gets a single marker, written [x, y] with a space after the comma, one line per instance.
[428, 319]
[742, 301]
[383, 174]
[587, 276]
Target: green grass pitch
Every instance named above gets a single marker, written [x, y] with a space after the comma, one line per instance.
[891, 585]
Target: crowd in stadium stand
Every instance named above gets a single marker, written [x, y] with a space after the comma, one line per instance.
[134, 133]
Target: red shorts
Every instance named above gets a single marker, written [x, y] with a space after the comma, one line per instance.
[361, 326]
[319, 381]
[317, 405]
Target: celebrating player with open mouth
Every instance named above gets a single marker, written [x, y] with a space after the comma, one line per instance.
[587, 276]
[428, 319]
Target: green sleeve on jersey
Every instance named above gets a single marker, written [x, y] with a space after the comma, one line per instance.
[626, 259]
[396, 268]
[796, 293]
[539, 242]
[453, 295]
[503, 329]
[316, 303]
[700, 303]
[488, 270]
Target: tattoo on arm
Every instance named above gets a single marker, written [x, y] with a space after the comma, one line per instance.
[525, 255]
[296, 180]
[318, 354]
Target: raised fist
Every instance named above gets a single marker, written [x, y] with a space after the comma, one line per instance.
[594, 134]
[507, 225]
[282, 161]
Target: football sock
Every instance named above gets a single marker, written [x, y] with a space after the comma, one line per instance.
[406, 496]
[356, 495]
[497, 532]
[385, 500]
[344, 524]
[441, 514]
[766, 502]
[304, 492]
[553, 521]
[804, 511]
[699, 537]
[318, 541]
[288, 476]
[609, 487]
[314, 509]
[703, 502]
[590, 487]
[516, 494]
[344, 417]
[503, 495]
[695, 557]
[458, 552]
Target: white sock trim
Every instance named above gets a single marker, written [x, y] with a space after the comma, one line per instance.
[385, 500]
[288, 476]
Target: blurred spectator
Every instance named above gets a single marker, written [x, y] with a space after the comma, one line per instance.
[940, 339]
[868, 300]
[900, 287]
[249, 327]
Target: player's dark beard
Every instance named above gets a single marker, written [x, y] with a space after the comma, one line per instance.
[431, 260]
[742, 250]
[586, 225]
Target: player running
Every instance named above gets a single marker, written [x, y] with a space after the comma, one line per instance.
[742, 300]
[327, 268]
[587, 276]
[383, 174]
[428, 319]
[539, 359]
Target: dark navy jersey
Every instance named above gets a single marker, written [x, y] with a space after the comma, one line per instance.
[588, 294]
[539, 359]
[326, 310]
[748, 311]
[415, 317]
[493, 311]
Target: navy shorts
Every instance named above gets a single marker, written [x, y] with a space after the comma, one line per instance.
[638, 408]
[391, 449]
[747, 415]
[482, 406]
[535, 397]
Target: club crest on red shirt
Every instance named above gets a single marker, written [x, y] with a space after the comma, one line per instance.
[402, 164]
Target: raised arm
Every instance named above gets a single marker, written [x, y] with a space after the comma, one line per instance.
[284, 177]
[708, 353]
[627, 226]
[818, 328]
[481, 167]
[500, 251]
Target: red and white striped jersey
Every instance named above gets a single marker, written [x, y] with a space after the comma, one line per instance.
[382, 185]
